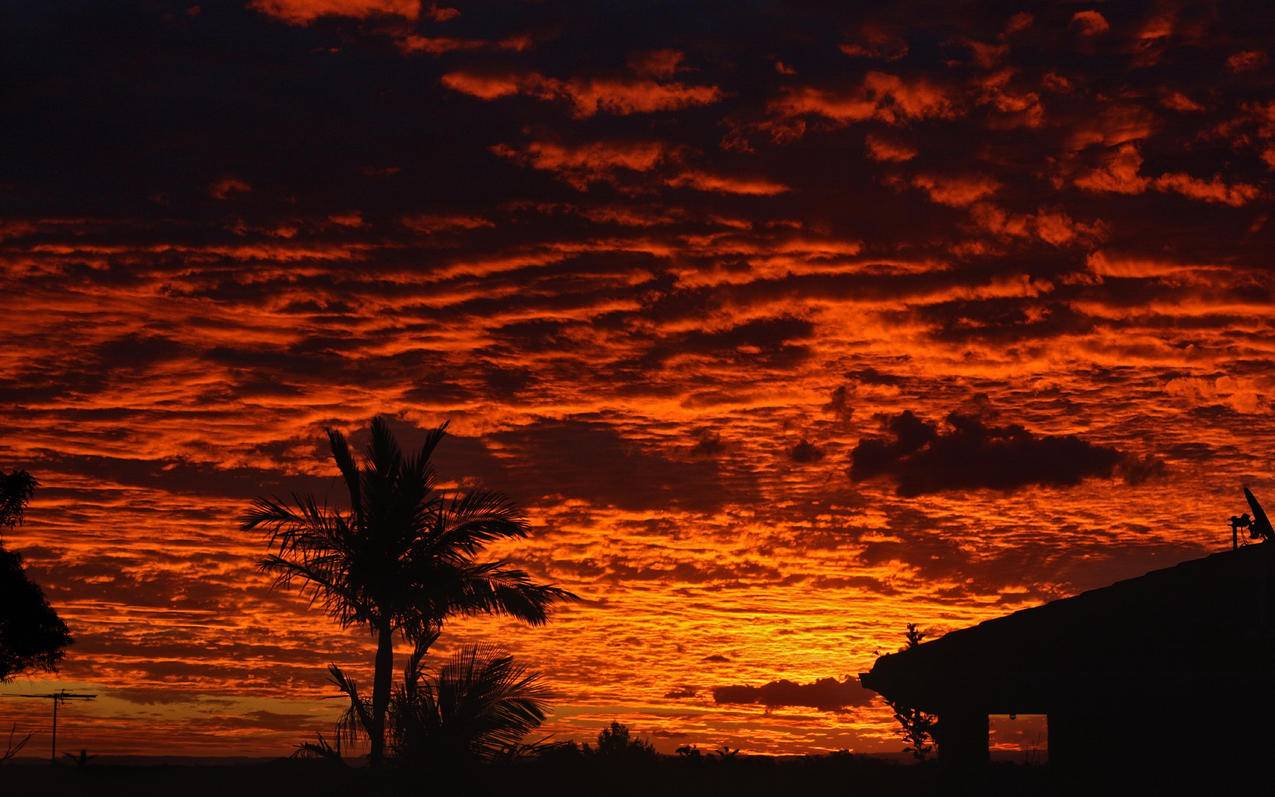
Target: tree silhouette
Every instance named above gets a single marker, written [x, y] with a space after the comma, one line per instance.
[616, 741]
[32, 636]
[915, 726]
[16, 489]
[402, 558]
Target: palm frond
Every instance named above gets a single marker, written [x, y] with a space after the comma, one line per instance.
[497, 588]
[423, 642]
[432, 439]
[480, 704]
[319, 749]
[385, 456]
[356, 721]
[349, 470]
[471, 520]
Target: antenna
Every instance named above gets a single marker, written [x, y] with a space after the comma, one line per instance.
[57, 697]
[1261, 525]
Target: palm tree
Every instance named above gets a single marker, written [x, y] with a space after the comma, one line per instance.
[402, 558]
[477, 707]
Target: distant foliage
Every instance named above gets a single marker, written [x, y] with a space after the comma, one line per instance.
[80, 759]
[617, 742]
[16, 489]
[690, 752]
[913, 637]
[915, 726]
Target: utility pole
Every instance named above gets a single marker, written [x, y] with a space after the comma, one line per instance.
[53, 750]
[57, 697]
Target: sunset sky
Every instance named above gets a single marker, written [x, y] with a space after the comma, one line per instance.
[787, 324]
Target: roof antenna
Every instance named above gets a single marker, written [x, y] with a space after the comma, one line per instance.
[60, 696]
[1259, 525]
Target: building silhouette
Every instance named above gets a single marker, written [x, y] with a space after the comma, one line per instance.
[1170, 669]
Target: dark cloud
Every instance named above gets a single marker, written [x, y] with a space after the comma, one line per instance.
[969, 455]
[184, 476]
[839, 404]
[592, 460]
[805, 452]
[1137, 470]
[872, 376]
[766, 341]
[825, 694]
[707, 444]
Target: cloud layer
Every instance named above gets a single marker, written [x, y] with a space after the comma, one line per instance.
[667, 269]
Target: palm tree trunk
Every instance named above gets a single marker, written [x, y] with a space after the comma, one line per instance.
[381, 691]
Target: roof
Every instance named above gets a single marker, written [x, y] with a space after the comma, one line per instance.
[1205, 618]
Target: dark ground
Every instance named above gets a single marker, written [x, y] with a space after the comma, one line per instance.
[602, 777]
[650, 778]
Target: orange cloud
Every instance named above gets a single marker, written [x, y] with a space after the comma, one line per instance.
[226, 186]
[955, 191]
[1112, 125]
[1215, 190]
[1023, 108]
[587, 96]
[844, 108]
[429, 223]
[442, 13]
[881, 149]
[1246, 60]
[1177, 101]
[884, 97]
[1054, 227]
[914, 99]
[582, 164]
[438, 45]
[726, 184]
[1127, 265]
[487, 87]
[620, 97]
[1118, 172]
[303, 12]
[1019, 22]
[1090, 23]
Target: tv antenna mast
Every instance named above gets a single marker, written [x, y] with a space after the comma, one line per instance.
[58, 697]
[1259, 525]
